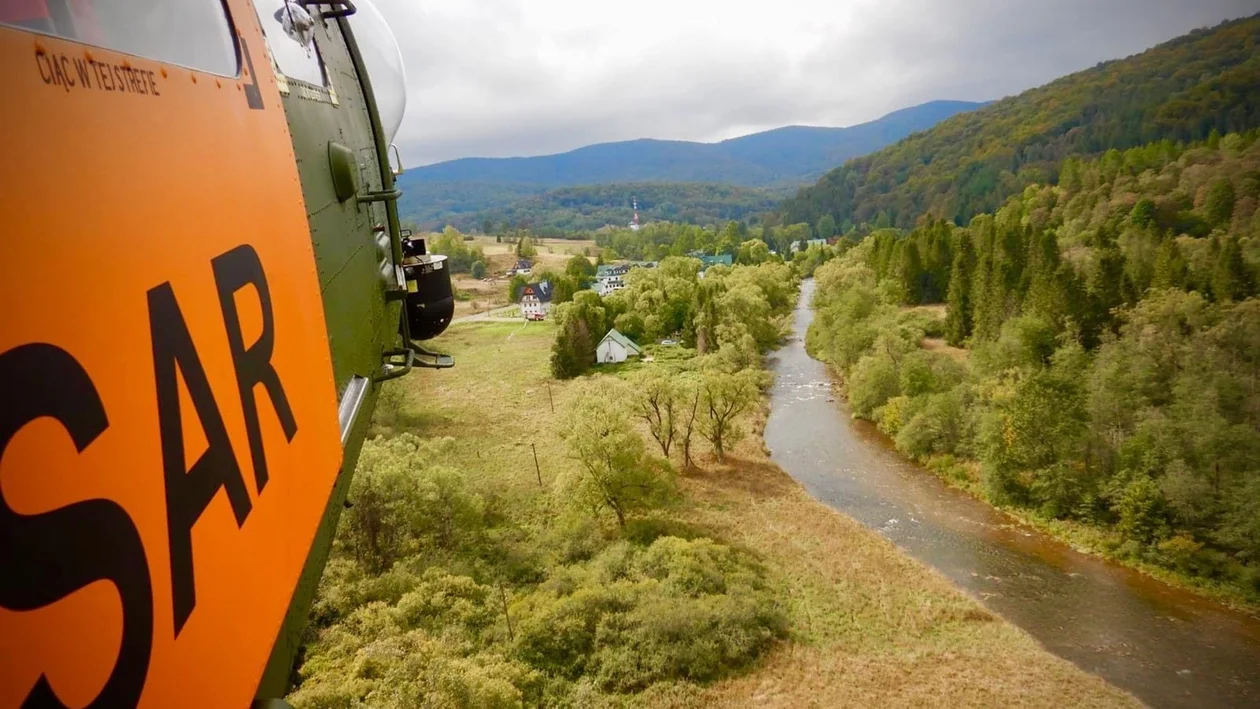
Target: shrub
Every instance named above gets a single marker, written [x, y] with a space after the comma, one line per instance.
[404, 500]
[936, 426]
[1057, 489]
[872, 382]
[677, 610]
[441, 599]
[1140, 507]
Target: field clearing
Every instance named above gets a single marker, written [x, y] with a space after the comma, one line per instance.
[552, 253]
[482, 295]
[869, 626]
[938, 344]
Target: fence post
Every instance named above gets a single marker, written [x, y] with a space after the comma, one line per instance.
[537, 469]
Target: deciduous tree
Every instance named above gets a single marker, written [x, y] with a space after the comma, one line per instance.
[724, 398]
[616, 472]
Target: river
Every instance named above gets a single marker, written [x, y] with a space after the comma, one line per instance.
[1167, 646]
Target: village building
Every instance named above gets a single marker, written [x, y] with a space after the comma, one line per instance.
[536, 300]
[523, 267]
[610, 278]
[616, 348]
[708, 261]
[802, 245]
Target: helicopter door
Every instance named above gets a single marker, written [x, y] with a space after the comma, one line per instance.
[342, 179]
[169, 437]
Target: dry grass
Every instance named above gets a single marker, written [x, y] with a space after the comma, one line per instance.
[936, 310]
[482, 295]
[553, 253]
[938, 344]
[870, 627]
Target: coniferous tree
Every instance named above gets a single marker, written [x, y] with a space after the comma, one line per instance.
[1218, 208]
[1105, 294]
[1053, 289]
[1170, 267]
[958, 320]
[1143, 214]
[938, 261]
[911, 272]
[986, 292]
[1231, 280]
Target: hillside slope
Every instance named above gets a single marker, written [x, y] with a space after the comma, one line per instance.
[1208, 80]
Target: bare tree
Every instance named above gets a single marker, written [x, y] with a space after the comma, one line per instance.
[689, 415]
[656, 402]
[724, 397]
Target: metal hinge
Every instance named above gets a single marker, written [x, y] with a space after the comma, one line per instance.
[339, 8]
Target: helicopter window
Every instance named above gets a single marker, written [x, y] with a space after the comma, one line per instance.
[290, 33]
[384, 65]
[191, 33]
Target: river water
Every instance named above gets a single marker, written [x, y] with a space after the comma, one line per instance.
[1168, 647]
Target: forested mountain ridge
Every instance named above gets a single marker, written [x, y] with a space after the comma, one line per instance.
[466, 192]
[591, 207]
[790, 154]
[1184, 89]
[1111, 378]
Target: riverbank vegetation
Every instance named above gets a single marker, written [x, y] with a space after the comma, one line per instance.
[1110, 381]
[613, 572]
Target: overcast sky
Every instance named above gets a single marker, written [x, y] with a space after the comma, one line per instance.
[498, 78]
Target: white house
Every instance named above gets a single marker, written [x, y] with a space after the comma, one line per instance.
[609, 279]
[615, 347]
[536, 300]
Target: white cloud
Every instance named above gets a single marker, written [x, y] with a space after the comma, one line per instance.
[529, 77]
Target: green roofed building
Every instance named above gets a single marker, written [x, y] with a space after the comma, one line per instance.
[719, 260]
[615, 348]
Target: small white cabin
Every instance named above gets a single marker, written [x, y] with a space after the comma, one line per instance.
[616, 348]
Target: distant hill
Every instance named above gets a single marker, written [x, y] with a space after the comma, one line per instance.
[1182, 90]
[457, 190]
[590, 207]
[781, 155]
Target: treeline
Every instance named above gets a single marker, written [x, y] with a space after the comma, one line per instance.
[735, 312]
[1184, 90]
[590, 208]
[659, 240]
[434, 205]
[461, 256]
[1111, 375]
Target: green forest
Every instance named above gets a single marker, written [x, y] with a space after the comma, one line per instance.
[434, 205]
[1184, 90]
[1098, 361]
[579, 209]
[660, 240]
